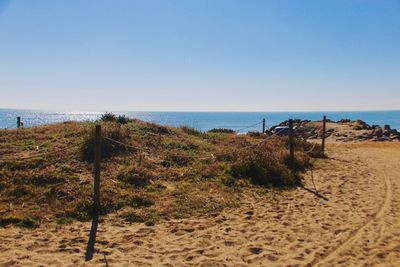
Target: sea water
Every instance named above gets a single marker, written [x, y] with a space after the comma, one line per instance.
[203, 121]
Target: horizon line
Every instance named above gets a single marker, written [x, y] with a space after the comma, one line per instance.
[202, 111]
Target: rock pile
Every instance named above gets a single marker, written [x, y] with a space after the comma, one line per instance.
[364, 132]
[358, 130]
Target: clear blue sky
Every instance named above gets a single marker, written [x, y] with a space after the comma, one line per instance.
[204, 55]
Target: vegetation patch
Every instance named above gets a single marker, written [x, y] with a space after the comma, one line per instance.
[163, 173]
[111, 143]
[266, 165]
[191, 130]
[65, 221]
[177, 158]
[20, 222]
[222, 130]
[135, 175]
[110, 117]
[135, 201]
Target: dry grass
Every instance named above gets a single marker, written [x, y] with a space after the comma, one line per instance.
[170, 173]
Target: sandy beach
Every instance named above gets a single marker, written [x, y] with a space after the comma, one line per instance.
[357, 223]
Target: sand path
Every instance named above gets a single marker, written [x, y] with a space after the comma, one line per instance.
[359, 225]
[377, 242]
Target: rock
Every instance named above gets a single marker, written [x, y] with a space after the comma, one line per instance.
[381, 139]
[394, 132]
[377, 132]
[370, 136]
[361, 125]
[387, 128]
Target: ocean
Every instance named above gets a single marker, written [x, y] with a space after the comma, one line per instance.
[203, 121]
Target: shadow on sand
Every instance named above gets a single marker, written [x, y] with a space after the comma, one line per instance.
[92, 238]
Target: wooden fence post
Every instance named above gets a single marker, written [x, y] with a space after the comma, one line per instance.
[97, 159]
[18, 122]
[263, 127]
[323, 133]
[291, 143]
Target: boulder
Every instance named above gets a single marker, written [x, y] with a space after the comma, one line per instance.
[394, 132]
[361, 125]
[387, 130]
[386, 127]
[377, 132]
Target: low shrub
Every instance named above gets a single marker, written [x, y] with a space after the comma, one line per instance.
[190, 130]
[20, 222]
[132, 217]
[28, 223]
[221, 130]
[134, 202]
[265, 165]
[181, 146]
[122, 119]
[135, 175]
[108, 148]
[83, 210]
[64, 221]
[19, 191]
[110, 117]
[176, 158]
[254, 134]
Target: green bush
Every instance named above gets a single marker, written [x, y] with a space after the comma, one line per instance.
[134, 202]
[190, 130]
[19, 191]
[108, 148]
[108, 116]
[149, 128]
[177, 158]
[20, 222]
[134, 218]
[64, 221]
[122, 119]
[221, 130]
[83, 210]
[265, 165]
[136, 176]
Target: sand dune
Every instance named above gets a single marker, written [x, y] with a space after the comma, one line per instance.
[359, 225]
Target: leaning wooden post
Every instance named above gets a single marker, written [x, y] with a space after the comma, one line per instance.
[97, 159]
[323, 133]
[263, 128]
[18, 122]
[291, 144]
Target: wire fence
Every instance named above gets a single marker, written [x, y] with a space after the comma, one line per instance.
[38, 155]
[248, 127]
[136, 149]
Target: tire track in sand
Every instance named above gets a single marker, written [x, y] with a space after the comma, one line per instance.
[357, 234]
